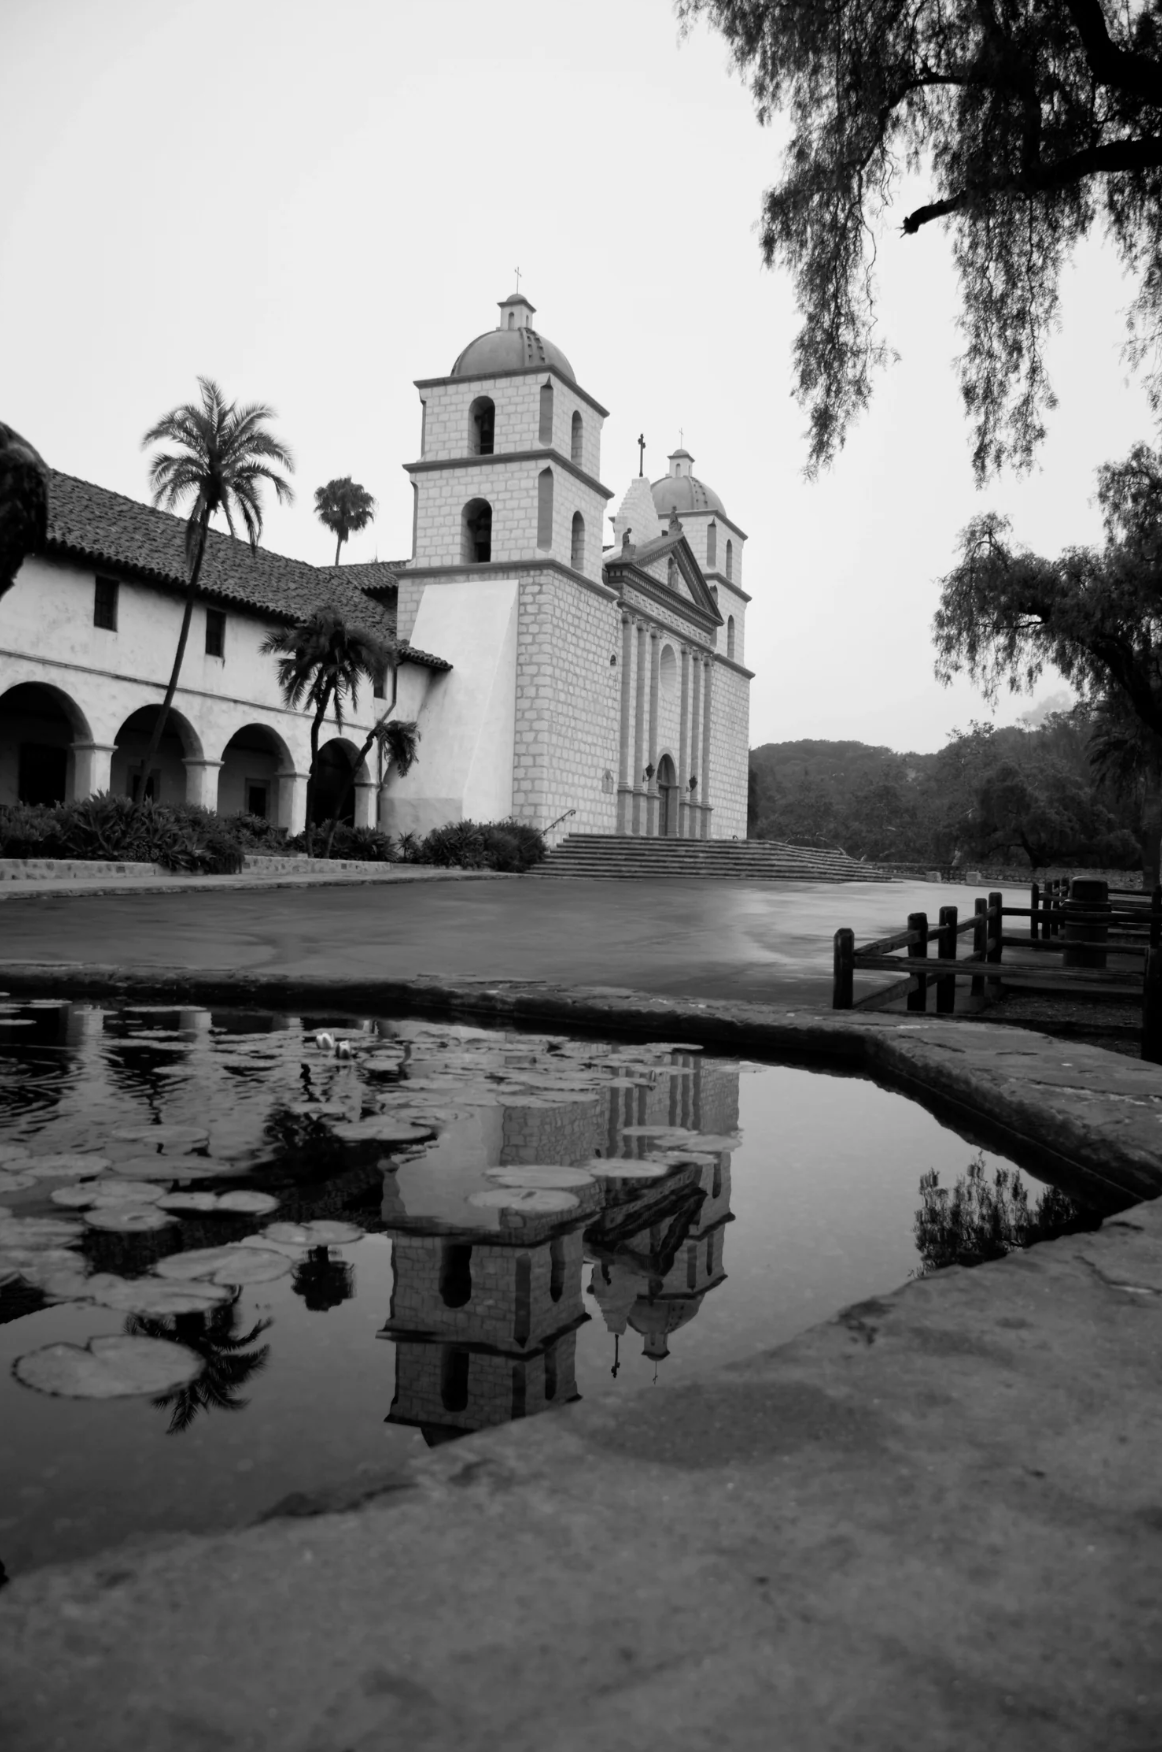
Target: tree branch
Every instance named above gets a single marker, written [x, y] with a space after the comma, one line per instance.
[1109, 64]
[1118, 155]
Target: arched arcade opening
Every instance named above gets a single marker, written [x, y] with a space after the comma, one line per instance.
[39, 726]
[341, 790]
[168, 782]
[253, 761]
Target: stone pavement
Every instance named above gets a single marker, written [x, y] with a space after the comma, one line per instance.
[766, 941]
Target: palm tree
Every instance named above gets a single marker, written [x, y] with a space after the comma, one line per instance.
[397, 739]
[229, 1365]
[223, 455]
[345, 508]
[321, 661]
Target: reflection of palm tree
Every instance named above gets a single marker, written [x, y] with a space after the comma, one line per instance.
[981, 1219]
[228, 1363]
[323, 1282]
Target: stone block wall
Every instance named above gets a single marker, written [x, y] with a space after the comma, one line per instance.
[517, 401]
[567, 707]
[493, 1314]
[498, 1387]
[730, 721]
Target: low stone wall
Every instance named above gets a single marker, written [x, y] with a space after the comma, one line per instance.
[992, 875]
[71, 869]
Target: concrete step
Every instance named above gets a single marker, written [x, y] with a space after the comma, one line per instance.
[622, 857]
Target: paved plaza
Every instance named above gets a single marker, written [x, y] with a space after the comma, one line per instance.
[766, 942]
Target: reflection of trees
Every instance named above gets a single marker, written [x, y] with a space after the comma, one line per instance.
[983, 1218]
[323, 1282]
[229, 1365]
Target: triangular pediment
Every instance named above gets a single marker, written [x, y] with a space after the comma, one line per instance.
[667, 561]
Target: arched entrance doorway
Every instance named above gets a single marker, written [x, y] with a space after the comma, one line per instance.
[248, 782]
[332, 797]
[38, 726]
[667, 799]
[167, 782]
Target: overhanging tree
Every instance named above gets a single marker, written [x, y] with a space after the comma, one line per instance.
[1094, 615]
[1033, 120]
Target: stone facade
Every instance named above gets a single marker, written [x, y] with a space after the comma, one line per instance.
[618, 668]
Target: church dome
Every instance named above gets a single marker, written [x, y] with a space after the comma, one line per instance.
[512, 346]
[682, 491]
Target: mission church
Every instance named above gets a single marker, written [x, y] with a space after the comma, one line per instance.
[551, 678]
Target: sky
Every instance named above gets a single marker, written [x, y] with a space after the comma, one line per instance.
[318, 205]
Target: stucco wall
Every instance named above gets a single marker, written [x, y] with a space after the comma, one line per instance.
[730, 723]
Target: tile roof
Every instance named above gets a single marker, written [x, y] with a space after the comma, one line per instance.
[91, 523]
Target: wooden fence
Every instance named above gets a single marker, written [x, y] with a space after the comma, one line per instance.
[1083, 934]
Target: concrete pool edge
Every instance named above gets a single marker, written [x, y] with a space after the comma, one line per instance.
[1098, 1129]
[932, 1521]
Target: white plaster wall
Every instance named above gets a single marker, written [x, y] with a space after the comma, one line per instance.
[47, 636]
[466, 718]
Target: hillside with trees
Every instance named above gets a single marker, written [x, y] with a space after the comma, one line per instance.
[1020, 795]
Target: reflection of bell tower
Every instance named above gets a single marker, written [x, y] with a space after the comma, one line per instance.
[484, 1331]
[654, 1282]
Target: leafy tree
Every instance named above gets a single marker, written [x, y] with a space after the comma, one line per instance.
[321, 663]
[1094, 615]
[223, 454]
[345, 508]
[1033, 119]
[982, 1219]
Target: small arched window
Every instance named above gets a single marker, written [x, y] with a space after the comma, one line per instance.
[476, 533]
[712, 547]
[456, 1274]
[577, 439]
[577, 547]
[454, 1378]
[481, 426]
[545, 508]
[730, 635]
[546, 429]
[512, 319]
[730, 559]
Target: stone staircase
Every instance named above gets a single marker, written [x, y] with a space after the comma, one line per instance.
[624, 856]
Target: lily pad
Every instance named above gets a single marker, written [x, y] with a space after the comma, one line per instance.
[13, 1182]
[182, 1202]
[124, 1218]
[10, 1153]
[225, 1265]
[37, 1231]
[108, 1368]
[164, 1137]
[148, 1295]
[552, 1178]
[529, 1201]
[174, 1168]
[60, 1167]
[627, 1168]
[321, 1233]
[89, 1193]
[380, 1128]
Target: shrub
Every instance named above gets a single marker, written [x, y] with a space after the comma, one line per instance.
[364, 843]
[477, 845]
[117, 828]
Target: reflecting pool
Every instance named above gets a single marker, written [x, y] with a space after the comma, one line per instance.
[249, 1255]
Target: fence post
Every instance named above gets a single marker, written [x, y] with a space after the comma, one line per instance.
[1034, 903]
[946, 949]
[918, 922]
[995, 928]
[1156, 920]
[980, 941]
[1152, 1008]
[843, 983]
